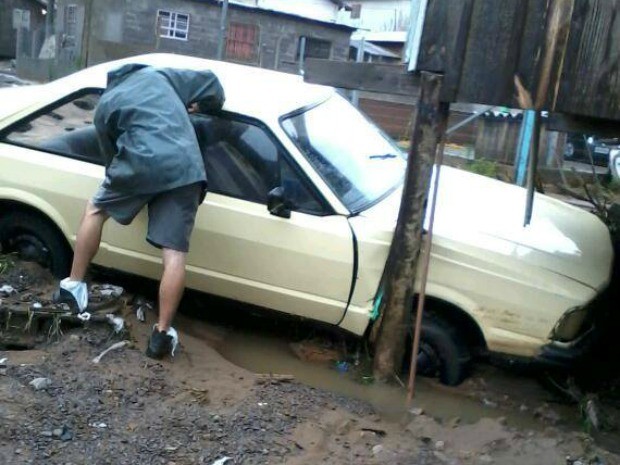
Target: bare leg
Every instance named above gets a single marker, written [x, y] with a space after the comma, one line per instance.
[171, 287]
[88, 239]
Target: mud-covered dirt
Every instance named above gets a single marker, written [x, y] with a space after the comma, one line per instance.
[199, 407]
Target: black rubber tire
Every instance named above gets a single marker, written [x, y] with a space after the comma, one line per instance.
[57, 255]
[451, 350]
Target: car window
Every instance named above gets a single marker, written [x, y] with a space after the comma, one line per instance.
[65, 128]
[243, 161]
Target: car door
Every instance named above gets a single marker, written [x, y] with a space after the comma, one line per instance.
[302, 264]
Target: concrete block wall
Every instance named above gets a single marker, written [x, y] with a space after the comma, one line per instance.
[132, 27]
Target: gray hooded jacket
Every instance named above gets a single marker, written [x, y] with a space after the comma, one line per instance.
[144, 129]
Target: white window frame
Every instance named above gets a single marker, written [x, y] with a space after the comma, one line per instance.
[171, 29]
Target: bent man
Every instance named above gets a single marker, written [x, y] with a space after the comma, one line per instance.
[152, 159]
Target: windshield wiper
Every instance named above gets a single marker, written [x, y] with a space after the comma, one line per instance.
[382, 157]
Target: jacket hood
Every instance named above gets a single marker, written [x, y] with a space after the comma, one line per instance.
[118, 75]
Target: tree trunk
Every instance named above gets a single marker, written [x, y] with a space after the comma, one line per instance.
[428, 126]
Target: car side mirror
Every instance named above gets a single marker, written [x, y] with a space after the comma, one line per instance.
[277, 204]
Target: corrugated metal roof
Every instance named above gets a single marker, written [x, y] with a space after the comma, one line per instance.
[374, 50]
[386, 36]
[233, 4]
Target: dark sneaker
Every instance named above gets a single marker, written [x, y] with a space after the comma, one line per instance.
[72, 293]
[63, 296]
[160, 344]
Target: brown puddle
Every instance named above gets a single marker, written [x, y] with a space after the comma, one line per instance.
[262, 353]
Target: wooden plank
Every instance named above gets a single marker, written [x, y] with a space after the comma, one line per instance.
[444, 40]
[590, 83]
[553, 52]
[528, 67]
[583, 125]
[369, 77]
[492, 52]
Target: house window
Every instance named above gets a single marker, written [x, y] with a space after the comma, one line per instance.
[242, 42]
[70, 25]
[315, 48]
[356, 11]
[173, 25]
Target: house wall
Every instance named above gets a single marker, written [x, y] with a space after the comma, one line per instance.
[379, 15]
[119, 29]
[8, 35]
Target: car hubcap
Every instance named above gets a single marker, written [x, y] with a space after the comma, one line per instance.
[428, 360]
[30, 248]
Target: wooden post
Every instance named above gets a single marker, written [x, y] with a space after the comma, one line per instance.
[405, 249]
[221, 43]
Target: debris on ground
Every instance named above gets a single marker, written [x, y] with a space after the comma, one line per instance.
[115, 346]
[40, 383]
[201, 409]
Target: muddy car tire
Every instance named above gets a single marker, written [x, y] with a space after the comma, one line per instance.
[443, 353]
[35, 239]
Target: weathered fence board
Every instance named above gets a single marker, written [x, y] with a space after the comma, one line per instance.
[590, 82]
[369, 77]
[566, 53]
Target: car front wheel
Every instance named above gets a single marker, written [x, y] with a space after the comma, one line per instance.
[443, 353]
[35, 239]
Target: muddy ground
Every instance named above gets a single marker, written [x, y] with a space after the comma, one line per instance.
[201, 407]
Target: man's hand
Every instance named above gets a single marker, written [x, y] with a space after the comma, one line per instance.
[193, 108]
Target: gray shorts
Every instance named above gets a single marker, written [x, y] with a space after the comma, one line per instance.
[171, 213]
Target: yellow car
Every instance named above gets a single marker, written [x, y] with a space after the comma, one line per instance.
[303, 197]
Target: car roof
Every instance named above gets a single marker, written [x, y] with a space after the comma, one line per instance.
[252, 91]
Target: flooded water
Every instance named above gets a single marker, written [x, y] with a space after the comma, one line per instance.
[261, 343]
[262, 353]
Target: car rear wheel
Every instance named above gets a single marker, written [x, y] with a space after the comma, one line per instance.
[35, 239]
[443, 352]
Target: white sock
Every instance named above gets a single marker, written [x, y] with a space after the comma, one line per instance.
[78, 289]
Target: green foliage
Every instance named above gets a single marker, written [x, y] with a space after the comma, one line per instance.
[5, 263]
[483, 167]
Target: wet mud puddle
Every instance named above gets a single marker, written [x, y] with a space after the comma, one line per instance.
[477, 398]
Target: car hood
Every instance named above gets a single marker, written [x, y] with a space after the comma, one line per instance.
[476, 213]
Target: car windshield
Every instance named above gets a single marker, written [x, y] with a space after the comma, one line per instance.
[354, 157]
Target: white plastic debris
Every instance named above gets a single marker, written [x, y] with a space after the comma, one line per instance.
[221, 461]
[141, 314]
[591, 411]
[109, 290]
[99, 425]
[37, 305]
[84, 316]
[142, 306]
[116, 346]
[175, 339]
[3, 365]
[116, 321]
[40, 383]
[7, 290]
